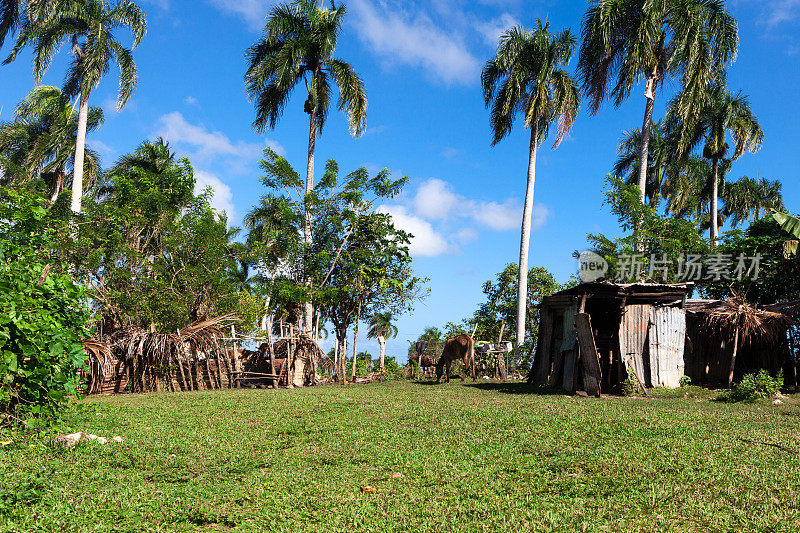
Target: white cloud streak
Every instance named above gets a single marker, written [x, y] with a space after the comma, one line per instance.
[416, 41]
[253, 12]
[436, 200]
[209, 144]
[223, 197]
[425, 240]
[491, 30]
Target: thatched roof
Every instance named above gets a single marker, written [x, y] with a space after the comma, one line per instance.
[144, 348]
[726, 316]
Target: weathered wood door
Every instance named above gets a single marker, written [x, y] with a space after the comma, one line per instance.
[590, 361]
[667, 341]
[569, 349]
[633, 329]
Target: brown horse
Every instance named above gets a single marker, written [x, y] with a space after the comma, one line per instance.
[459, 347]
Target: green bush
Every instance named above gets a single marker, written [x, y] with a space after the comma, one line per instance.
[685, 381]
[754, 387]
[43, 315]
[629, 387]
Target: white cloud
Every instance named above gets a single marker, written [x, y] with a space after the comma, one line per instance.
[541, 215]
[254, 12]
[163, 4]
[497, 216]
[434, 199]
[778, 11]
[491, 30]
[416, 41]
[209, 144]
[101, 147]
[190, 100]
[223, 197]
[465, 235]
[426, 241]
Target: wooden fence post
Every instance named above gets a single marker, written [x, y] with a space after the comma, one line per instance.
[237, 367]
[501, 355]
[276, 381]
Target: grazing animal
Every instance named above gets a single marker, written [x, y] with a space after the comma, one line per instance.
[426, 362]
[459, 347]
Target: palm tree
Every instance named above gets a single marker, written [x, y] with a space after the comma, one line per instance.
[659, 159]
[10, 14]
[153, 186]
[746, 197]
[381, 328]
[526, 76]
[13, 13]
[40, 142]
[297, 45]
[718, 113]
[90, 25]
[632, 40]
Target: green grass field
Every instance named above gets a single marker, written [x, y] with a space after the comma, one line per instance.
[472, 458]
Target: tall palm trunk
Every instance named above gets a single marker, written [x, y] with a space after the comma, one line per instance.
[382, 342]
[714, 229]
[58, 185]
[80, 144]
[527, 214]
[312, 143]
[644, 150]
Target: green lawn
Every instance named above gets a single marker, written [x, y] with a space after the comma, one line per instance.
[487, 457]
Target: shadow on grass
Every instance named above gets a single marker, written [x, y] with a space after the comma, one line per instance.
[518, 388]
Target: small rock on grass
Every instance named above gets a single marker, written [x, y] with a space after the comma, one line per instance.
[71, 439]
[368, 488]
[397, 475]
[776, 402]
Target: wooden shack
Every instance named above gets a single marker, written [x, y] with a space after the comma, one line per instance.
[730, 338]
[593, 336]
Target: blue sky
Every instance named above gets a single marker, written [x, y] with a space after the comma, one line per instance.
[420, 61]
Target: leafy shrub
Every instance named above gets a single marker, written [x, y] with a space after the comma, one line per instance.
[754, 387]
[629, 387]
[42, 315]
[685, 381]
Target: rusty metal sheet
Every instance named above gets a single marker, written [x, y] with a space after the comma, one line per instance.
[633, 330]
[666, 344]
[590, 361]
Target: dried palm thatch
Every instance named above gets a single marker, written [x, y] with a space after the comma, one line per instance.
[148, 354]
[736, 314]
[746, 324]
[101, 364]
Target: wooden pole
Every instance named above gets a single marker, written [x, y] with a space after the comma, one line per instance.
[178, 352]
[275, 382]
[219, 370]
[290, 358]
[237, 367]
[198, 372]
[733, 357]
[355, 343]
[501, 355]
